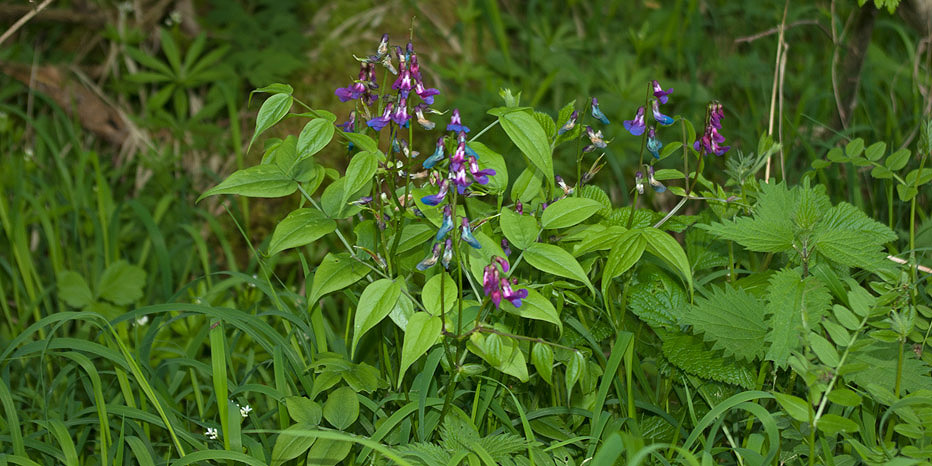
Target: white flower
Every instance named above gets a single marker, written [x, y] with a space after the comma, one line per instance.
[143, 320]
[245, 410]
[211, 433]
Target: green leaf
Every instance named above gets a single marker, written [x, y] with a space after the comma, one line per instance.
[770, 230]
[527, 187]
[275, 88]
[833, 424]
[846, 317]
[667, 249]
[121, 283]
[316, 134]
[795, 406]
[906, 193]
[574, 369]
[527, 134]
[732, 320]
[881, 173]
[625, 252]
[521, 230]
[847, 236]
[836, 155]
[547, 124]
[503, 354]
[422, 332]
[657, 299]
[844, 397]
[291, 443]
[568, 212]
[272, 111]
[300, 227]
[359, 173]
[257, 181]
[328, 452]
[880, 367]
[364, 143]
[790, 299]
[341, 408]
[598, 238]
[73, 289]
[303, 410]
[430, 294]
[542, 358]
[855, 147]
[491, 159]
[335, 272]
[376, 301]
[823, 349]
[535, 306]
[553, 259]
[897, 160]
[332, 203]
[875, 151]
[689, 354]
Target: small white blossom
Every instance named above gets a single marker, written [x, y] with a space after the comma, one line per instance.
[143, 320]
[211, 433]
[245, 410]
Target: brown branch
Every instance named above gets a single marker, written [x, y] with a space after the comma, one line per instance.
[776, 30]
[25, 19]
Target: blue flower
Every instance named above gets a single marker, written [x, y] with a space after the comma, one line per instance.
[466, 235]
[636, 126]
[446, 225]
[660, 93]
[570, 124]
[660, 117]
[437, 156]
[456, 123]
[379, 122]
[430, 260]
[597, 114]
[350, 125]
[447, 254]
[653, 144]
[437, 198]
[656, 185]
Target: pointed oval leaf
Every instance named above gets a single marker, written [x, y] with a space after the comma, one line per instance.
[795, 406]
[525, 131]
[553, 259]
[328, 452]
[341, 408]
[832, 424]
[422, 332]
[257, 181]
[335, 272]
[625, 252]
[431, 294]
[669, 250]
[542, 358]
[363, 142]
[521, 230]
[272, 111]
[568, 212]
[316, 134]
[360, 171]
[300, 227]
[897, 160]
[823, 349]
[304, 410]
[121, 283]
[376, 301]
[291, 443]
[535, 306]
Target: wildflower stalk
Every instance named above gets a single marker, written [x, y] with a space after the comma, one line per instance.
[634, 205]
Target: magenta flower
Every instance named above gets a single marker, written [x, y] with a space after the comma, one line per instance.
[490, 279]
[425, 93]
[379, 122]
[711, 140]
[514, 296]
[400, 115]
[505, 248]
[460, 179]
[355, 90]
[660, 93]
[456, 123]
[519, 208]
[660, 117]
[350, 125]
[636, 126]
[481, 176]
[597, 114]
[404, 83]
[502, 262]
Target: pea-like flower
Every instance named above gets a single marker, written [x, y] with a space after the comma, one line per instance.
[466, 234]
[425, 93]
[570, 123]
[447, 254]
[481, 176]
[639, 182]
[421, 119]
[355, 90]
[379, 122]
[711, 140]
[400, 115]
[505, 248]
[653, 144]
[636, 126]
[597, 114]
[404, 83]
[502, 262]
[431, 259]
[350, 125]
[511, 295]
[459, 178]
[595, 138]
[440, 196]
[491, 284]
[660, 93]
[437, 156]
[446, 224]
[456, 123]
[664, 120]
[656, 185]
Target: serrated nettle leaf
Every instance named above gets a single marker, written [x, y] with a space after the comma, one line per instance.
[847, 236]
[422, 332]
[328, 452]
[732, 320]
[335, 272]
[431, 294]
[547, 124]
[527, 187]
[790, 299]
[535, 306]
[341, 408]
[770, 230]
[359, 173]
[272, 111]
[302, 409]
[795, 406]
[875, 151]
[73, 289]
[316, 134]
[291, 443]
[257, 181]
[524, 130]
[121, 283]
[554, 259]
[300, 227]
[520, 230]
[854, 148]
[375, 302]
[657, 299]
[542, 358]
[513, 362]
[690, 354]
[666, 248]
[897, 160]
[823, 349]
[625, 252]
[568, 212]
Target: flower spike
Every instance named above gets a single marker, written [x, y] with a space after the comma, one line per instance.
[636, 126]
[597, 114]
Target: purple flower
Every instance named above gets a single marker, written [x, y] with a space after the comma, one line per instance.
[490, 279]
[570, 124]
[514, 296]
[421, 120]
[447, 254]
[350, 125]
[639, 182]
[414, 66]
[460, 179]
[656, 185]
[461, 139]
[653, 144]
[502, 262]
[404, 83]
[597, 114]
[595, 139]
[439, 197]
[425, 93]
[355, 90]
[481, 176]
[660, 117]
[365, 200]
[711, 140]
[660, 93]
[400, 116]
[437, 156]
[505, 248]
[383, 47]
[519, 208]
[430, 260]
[636, 126]
[459, 156]
[466, 235]
[447, 224]
[379, 122]
[456, 123]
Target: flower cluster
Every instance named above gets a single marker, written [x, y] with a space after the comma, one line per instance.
[497, 287]
[444, 252]
[463, 160]
[638, 125]
[711, 140]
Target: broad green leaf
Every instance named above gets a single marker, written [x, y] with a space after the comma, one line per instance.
[535, 306]
[291, 443]
[300, 227]
[833, 424]
[491, 159]
[732, 320]
[553, 259]
[844, 397]
[364, 143]
[520, 230]
[414, 235]
[875, 151]
[855, 147]
[823, 349]
[667, 249]
[328, 452]
[542, 358]
[849, 237]
[625, 252]
[302, 409]
[897, 160]
[906, 193]
[598, 238]
[335, 272]
[836, 332]
[657, 298]
[508, 359]
[689, 354]
[315, 135]
[402, 311]
[73, 289]
[423, 331]
[272, 111]
[527, 134]
[359, 173]
[275, 88]
[790, 298]
[568, 212]
[431, 294]
[257, 181]
[332, 203]
[846, 317]
[376, 301]
[341, 408]
[880, 367]
[121, 283]
[795, 406]
[547, 124]
[771, 228]
[574, 369]
[527, 187]
[881, 173]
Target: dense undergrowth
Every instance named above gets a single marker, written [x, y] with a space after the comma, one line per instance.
[593, 234]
